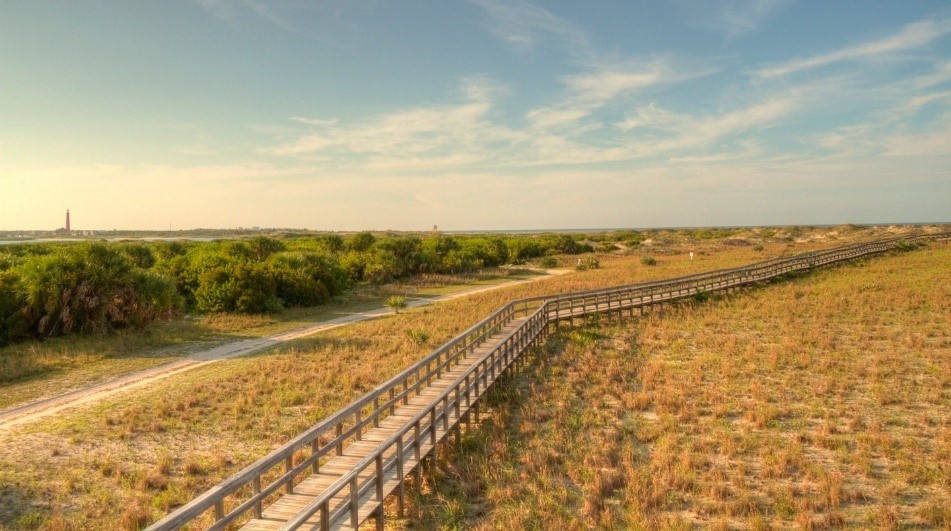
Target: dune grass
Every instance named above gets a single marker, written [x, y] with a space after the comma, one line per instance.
[129, 459]
[36, 369]
[823, 401]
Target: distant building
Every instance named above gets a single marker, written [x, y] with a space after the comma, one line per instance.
[67, 221]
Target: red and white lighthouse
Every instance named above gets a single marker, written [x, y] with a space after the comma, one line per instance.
[67, 220]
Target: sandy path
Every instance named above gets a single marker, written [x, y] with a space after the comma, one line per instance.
[38, 409]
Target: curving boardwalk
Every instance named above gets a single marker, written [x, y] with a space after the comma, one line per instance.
[337, 474]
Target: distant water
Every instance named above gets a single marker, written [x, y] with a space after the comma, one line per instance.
[94, 239]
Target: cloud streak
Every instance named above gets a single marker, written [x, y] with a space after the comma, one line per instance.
[523, 24]
[910, 37]
[732, 18]
[739, 17]
[425, 137]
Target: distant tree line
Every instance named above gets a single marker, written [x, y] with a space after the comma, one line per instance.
[49, 289]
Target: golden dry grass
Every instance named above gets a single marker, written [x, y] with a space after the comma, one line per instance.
[129, 460]
[37, 369]
[820, 402]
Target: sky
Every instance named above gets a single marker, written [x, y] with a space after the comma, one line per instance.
[473, 115]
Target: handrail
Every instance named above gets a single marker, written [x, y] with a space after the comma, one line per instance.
[399, 387]
[345, 481]
[213, 497]
[719, 272]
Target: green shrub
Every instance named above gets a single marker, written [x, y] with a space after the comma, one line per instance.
[588, 262]
[418, 337]
[245, 288]
[139, 254]
[902, 246]
[360, 242]
[13, 322]
[83, 288]
[396, 303]
[649, 261]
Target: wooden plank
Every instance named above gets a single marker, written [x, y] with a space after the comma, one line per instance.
[337, 466]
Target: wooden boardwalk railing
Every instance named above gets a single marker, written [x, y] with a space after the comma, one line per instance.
[338, 473]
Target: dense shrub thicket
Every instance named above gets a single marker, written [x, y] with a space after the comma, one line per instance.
[52, 289]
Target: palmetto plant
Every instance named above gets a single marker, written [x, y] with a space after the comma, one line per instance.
[396, 303]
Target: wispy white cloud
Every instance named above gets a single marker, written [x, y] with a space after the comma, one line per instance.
[653, 117]
[850, 141]
[935, 142]
[917, 102]
[230, 10]
[911, 36]
[732, 18]
[600, 121]
[265, 11]
[739, 17]
[941, 74]
[522, 24]
[651, 132]
[315, 121]
[423, 137]
[607, 83]
[897, 109]
[469, 135]
[598, 87]
[743, 150]
[656, 131]
[551, 117]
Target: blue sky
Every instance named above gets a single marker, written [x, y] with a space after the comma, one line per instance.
[482, 114]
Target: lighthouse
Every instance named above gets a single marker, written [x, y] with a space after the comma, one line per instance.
[67, 221]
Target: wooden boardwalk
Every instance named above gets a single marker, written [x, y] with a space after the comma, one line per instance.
[304, 493]
[338, 473]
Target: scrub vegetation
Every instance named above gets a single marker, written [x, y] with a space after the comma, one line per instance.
[52, 289]
[128, 460]
[820, 402]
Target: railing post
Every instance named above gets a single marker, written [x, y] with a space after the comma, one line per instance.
[354, 503]
[468, 391]
[445, 415]
[339, 432]
[376, 412]
[255, 490]
[416, 443]
[399, 475]
[314, 447]
[288, 465]
[379, 477]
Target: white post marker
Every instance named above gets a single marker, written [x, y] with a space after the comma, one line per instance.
[691, 255]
